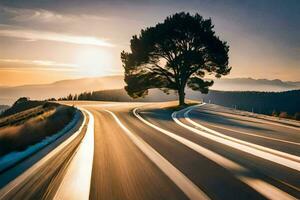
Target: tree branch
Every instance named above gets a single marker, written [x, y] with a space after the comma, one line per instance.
[162, 71]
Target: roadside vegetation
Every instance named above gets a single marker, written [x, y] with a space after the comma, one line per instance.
[28, 122]
[286, 115]
[279, 104]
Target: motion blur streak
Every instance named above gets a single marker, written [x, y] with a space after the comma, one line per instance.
[256, 152]
[191, 190]
[76, 182]
[262, 187]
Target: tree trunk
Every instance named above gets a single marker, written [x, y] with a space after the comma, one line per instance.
[181, 96]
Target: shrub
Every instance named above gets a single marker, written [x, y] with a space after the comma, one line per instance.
[274, 113]
[283, 115]
[21, 100]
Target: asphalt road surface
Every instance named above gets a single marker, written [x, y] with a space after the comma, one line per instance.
[121, 170]
[148, 151]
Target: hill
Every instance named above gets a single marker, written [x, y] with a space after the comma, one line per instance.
[28, 122]
[259, 102]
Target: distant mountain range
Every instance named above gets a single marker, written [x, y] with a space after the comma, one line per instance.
[60, 88]
[74, 86]
[250, 84]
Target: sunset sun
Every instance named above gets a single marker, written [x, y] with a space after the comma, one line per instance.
[93, 61]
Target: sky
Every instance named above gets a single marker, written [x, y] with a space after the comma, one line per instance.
[42, 41]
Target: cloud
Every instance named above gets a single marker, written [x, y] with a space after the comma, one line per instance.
[38, 15]
[34, 35]
[19, 64]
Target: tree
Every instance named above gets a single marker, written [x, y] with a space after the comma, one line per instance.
[274, 113]
[75, 97]
[175, 54]
[70, 97]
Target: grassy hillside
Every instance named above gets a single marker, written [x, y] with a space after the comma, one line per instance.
[28, 122]
[22, 106]
[22, 112]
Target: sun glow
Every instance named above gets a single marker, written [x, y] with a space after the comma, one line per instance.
[93, 61]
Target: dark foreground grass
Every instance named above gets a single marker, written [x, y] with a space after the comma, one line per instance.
[19, 136]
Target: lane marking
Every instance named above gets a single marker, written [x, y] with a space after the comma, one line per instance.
[259, 147]
[258, 119]
[240, 146]
[187, 186]
[76, 182]
[260, 186]
[252, 134]
[55, 152]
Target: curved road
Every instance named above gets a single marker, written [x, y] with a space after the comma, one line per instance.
[148, 151]
[122, 169]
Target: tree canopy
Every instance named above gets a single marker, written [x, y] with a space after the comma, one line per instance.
[174, 54]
